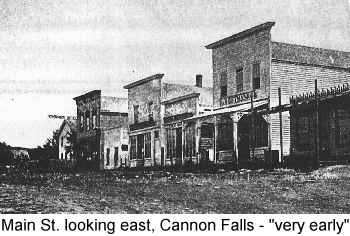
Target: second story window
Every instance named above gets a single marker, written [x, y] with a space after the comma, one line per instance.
[81, 121]
[256, 76]
[87, 120]
[94, 120]
[223, 84]
[136, 114]
[239, 80]
[150, 111]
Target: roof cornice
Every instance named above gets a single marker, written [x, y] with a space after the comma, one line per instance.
[245, 33]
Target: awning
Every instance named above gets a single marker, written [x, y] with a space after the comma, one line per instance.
[239, 108]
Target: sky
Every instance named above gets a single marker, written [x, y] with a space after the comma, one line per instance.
[54, 50]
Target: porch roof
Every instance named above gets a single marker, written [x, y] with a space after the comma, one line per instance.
[242, 107]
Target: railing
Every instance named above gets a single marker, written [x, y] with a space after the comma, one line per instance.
[237, 98]
[323, 93]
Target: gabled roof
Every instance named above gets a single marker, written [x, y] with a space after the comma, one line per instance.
[310, 55]
[142, 81]
[70, 122]
[245, 33]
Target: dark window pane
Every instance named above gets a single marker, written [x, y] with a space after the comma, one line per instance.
[256, 76]
[223, 84]
[239, 80]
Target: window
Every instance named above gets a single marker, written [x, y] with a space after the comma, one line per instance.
[239, 80]
[156, 134]
[170, 143]
[207, 131]
[94, 120]
[124, 147]
[87, 114]
[342, 126]
[61, 141]
[136, 114]
[148, 145]
[107, 156]
[256, 76]
[190, 140]
[61, 156]
[133, 147]
[223, 84]
[81, 122]
[140, 146]
[150, 111]
[116, 156]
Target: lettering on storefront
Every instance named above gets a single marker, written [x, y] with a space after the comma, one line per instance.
[237, 98]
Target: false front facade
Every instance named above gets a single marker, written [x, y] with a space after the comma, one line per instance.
[102, 139]
[158, 132]
[252, 75]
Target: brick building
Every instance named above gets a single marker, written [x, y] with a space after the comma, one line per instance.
[248, 70]
[158, 135]
[102, 137]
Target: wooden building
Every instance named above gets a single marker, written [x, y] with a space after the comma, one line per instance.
[65, 136]
[158, 132]
[249, 70]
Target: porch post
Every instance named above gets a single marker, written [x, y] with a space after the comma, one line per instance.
[215, 138]
[182, 142]
[198, 134]
[234, 118]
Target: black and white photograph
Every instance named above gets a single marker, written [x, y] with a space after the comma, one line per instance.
[175, 107]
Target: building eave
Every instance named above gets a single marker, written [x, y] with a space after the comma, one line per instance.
[245, 33]
[88, 94]
[142, 81]
[184, 97]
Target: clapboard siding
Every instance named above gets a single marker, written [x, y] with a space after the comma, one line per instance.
[294, 79]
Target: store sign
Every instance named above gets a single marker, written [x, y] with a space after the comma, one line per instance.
[237, 98]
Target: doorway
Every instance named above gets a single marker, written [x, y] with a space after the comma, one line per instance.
[178, 147]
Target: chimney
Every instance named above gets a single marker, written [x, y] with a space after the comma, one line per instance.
[199, 80]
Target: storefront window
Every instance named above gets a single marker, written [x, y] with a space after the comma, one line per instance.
[190, 140]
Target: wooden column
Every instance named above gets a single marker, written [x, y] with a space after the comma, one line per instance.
[197, 135]
[182, 142]
[215, 138]
[235, 140]
[252, 138]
